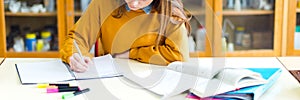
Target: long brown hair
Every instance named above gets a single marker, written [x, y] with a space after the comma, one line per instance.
[171, 10]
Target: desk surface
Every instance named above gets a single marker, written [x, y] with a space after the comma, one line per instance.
[1, 60]
[291, 63]
[120, 90]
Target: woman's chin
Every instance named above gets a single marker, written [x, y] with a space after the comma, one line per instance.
[134, 9]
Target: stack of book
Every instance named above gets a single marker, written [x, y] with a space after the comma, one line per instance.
[246, 93]
[207, 82]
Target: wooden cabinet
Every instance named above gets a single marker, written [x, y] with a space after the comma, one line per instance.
[19, 24]
[73, 10]
[248, 27]
[202, 26]
[2, 30]
[291, 46]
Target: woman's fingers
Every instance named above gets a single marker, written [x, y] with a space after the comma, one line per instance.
[88, 61]
[77, 64]
[78, 58]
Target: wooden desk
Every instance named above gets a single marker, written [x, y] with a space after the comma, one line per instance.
[286, 86]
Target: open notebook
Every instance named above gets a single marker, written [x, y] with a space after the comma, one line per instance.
[57, 71]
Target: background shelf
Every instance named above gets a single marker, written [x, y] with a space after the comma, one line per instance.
[77, 13]
[46, 14]
[298, 10]
[247, 12]
[50, 54]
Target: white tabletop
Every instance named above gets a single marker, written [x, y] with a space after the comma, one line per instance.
[1, 60]
[291, 63]
[286, 86]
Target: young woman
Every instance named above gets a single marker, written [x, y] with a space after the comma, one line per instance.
[149, 31]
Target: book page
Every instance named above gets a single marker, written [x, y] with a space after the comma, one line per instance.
[240, 77]
[162, 81]
[171, 83]
[194, 68]
[212, 87]
[232, 97]
[43, 72]
[227, 80]
[104, 68]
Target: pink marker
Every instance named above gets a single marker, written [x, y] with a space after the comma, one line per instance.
[64, 89]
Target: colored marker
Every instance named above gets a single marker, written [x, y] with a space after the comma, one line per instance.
[60, 87]
[69, 95]
[68, 89]
[46, 84]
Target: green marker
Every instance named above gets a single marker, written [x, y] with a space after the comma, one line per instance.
[69, 95]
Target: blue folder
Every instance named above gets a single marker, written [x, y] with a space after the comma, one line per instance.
[270, 74]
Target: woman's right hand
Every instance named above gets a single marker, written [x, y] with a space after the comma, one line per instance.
[79, 64]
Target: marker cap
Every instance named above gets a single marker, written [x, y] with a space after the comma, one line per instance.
[53, 84]
[42, 85]
[66, 96]
[69, 95]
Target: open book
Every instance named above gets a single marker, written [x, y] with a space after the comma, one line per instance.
[202, 80]
[57, 71]
[270, 74]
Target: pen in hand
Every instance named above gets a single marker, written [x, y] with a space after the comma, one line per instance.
[78, 50]
[77, 62]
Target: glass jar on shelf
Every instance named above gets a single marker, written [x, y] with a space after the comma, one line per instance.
[30, 42]
[240, 31]
[246, 40]
[46, 37]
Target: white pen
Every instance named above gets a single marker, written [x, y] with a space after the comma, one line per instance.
[77, 48]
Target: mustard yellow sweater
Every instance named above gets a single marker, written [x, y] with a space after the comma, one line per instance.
[135, 32]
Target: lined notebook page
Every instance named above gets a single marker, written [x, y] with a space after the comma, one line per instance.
[104, 68]
[55, 71]
[43, 72]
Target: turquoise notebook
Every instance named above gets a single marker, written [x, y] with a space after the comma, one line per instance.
[270, 74]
